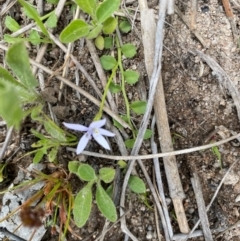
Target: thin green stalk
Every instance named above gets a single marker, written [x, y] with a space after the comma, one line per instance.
[123, 87]
[99, 114]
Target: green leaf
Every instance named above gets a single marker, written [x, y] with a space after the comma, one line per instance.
[17, 59]
[109, 25]
[52, 20]
[136, 184]
[82, 205]
[125, 27]
[122, 164]
[2, 169]
[129, 143]
[147, 135]
[108, 42]
[105, 204]
[99, 42]
[108, 62]
[54, 130]
[106, 9]
[107, 174]
[38, 156]
[52, 155]
[114, 88]
[131, 76]
[86, 173]
[32, 13]
[128, 50]
[53, 1]
[139, 107]
[75, 30]
[88, 6]
[11, 24]
[34, 37]
[95, 32]
[73, 166]
[6, 80]
[10, 106]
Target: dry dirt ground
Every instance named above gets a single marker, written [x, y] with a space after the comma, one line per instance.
[199, 109]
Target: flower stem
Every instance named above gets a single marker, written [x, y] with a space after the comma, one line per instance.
[123, 87]
[100, 112]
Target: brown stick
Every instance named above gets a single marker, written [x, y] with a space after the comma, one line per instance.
[193, 14]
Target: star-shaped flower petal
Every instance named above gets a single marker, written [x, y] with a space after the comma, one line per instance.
[94, 130]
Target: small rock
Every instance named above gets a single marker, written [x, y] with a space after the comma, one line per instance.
[231, 179]
[236, 188]
[237, 199]
[149, 235]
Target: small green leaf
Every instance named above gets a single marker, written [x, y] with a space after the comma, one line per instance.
[136, 184]
[99, 42]
[139, 107]
[52, 20]
[108, 62]
[108, 42]
[34, 37]
[82, 205]
[122, 164]
[73, 166]
[131, 76]
[38, 156]
[105, 204]
[31, 12]
[11, 24]
[106, 9]
[88, 6]
[2, 168]
[36, 113]
[107, 174]
[38, 135]
[17, 59]
[125, 26]
[54, 130]
[75, 30]
[95, 32]
[114, 88]
[52, 155]
[129, 143]
[147, 135]
[109, 190]
[109, 25]
[86, 173]
[128, 50]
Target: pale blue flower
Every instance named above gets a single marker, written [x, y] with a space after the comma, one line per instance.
[94, 130]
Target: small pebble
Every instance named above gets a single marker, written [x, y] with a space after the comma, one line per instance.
[149, 235]
[237, 199]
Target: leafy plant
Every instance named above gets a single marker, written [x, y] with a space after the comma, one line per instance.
[83, 200]
[101, 20]
[16, 93]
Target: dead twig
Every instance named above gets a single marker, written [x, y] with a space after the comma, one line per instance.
[150, 156]
[201, 207]
[193, 14]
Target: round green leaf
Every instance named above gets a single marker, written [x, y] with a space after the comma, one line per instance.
[131, 76]
[125, 27]
[108, 62]
[108, 42]
[136, 184]
[86, 173]
[129, 143]
[139, 107]
[99, 42]
[128, 50]
[82, 205]
[122, 164]
[75, 30]
[73, 166]
[109, 25]
[105, 204]
[106, 9]
[114, 88]
[52, 21]
[107, 174]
